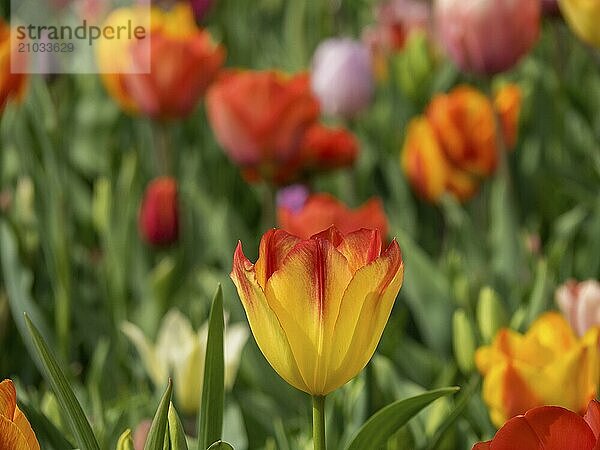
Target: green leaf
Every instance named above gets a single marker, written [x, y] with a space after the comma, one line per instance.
[158, 429]
[176, 433]
[18, 284]
[210, 425]
[80, 427]
[374, 434]
[220, 445]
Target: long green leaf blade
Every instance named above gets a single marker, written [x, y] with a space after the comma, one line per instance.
[374, 434]
[158, 429]
[80, 427]
[210, 424]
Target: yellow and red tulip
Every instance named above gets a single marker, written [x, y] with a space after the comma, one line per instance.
[182, 58]
[548, 428]
[317, 307]
[321, 211]
[548, 365]
[15, 431]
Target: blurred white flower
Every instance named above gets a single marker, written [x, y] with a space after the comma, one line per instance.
[580, 304]
[179, 352]
[342, 76]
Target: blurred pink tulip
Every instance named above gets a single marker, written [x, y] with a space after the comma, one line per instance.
[342, 77]
[487, 36]
[580, 304]
[141, 434]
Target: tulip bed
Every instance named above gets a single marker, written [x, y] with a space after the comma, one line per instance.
[353, 225]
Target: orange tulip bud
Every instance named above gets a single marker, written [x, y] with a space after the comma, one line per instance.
[159, 213]
[321, 211]
[508, 105]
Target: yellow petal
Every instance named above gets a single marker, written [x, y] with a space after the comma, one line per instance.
[265, 327]
[305, 294]
[189, 379]
[364, 312]
[157, 370]
[361, 248]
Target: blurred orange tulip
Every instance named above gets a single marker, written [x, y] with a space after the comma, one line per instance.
[260, 118]
[183, 61]
[15, 431]
[12, 85]
[455, 144]
[321, 211]
[548, 365]
[465, 126]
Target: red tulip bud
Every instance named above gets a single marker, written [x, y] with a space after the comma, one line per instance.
[159, 214]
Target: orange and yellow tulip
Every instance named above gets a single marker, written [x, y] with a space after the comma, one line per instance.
[323, 210]
[182, 59]
[15, 431]
[455, 144]
[12, 85]
[317, 307]
[548, 365]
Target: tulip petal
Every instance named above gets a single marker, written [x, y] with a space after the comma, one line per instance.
[8, 399]
[365, 309]
[592, 417]
[545, 428]
[25, 427]
[265, 326]
[11, 438]
[274, 247]
[482, 446]
[361, 248]
[306, 294]
[236, 337]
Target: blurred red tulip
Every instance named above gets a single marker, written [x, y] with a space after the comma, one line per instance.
[183, 61]
[487, 36]
[260, 118]
[548, 428]
[12, 85]
[321, 149]
[321, 211]
[159, 213]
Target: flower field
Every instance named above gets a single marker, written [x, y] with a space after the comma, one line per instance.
[300, 225]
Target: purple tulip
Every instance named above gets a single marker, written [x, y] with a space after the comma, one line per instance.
[342, 77]
[293, 197]
[550, 7]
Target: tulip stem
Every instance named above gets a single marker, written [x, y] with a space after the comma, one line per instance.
[318, 410]
[162, 145]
